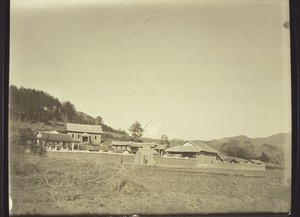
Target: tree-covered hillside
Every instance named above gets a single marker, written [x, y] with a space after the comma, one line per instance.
[34, 106]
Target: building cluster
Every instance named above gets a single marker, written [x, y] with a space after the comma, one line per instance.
[78, 136]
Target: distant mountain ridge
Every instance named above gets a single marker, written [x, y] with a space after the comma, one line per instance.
[273, 149]
[280, 140]
[39, 110]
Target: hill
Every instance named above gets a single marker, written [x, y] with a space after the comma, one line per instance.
[270, 149]
[36, 106]
[280, 140]
[38, 110]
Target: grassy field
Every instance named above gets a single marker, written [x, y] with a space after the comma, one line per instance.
[56, 185]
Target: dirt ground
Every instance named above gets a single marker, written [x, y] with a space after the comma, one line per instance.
[52, 185]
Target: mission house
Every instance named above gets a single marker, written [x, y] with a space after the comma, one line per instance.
[83, 133]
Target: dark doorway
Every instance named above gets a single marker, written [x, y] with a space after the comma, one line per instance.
[85, 139]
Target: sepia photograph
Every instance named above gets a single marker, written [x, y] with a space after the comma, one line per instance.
[149, 107]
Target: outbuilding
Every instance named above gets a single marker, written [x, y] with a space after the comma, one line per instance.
[144, 156]
[199, 150]
[254, 162]
[121, 145]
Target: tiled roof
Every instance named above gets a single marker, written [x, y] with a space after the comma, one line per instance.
[55, 137]
[230, 158]
[193, 147]
[84, 128]
[205, 147]
[179, 148]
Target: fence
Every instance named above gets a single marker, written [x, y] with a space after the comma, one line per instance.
[175, 162]
[159, 161]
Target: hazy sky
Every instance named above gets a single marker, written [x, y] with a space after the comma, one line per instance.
[191, 70]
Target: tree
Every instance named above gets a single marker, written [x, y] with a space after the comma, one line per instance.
[264, 158]
[236, 148]
[27, 141]
[99, 120]
[136, 130]
[26, 137]
[164, 140]
[33, 105]
[68, 111]
[120, 131]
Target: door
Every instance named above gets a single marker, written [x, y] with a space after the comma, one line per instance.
[145, 160]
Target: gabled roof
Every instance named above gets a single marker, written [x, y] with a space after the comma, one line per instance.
[227, 158]
[205, 147]
[254, 161]
[234, 161]
[84, 128]
[192, 147]
[55, 137]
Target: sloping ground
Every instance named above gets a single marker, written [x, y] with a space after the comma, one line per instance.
[35, 127]
[55, 185]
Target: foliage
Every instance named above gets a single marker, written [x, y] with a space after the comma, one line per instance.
[108, 128]
[235, 148]
[38, 150]
[68, 111]
[264, 158]
[136, 130]
[120, 131]
[23, 140]
[107, 136]
[99, 120]
[26, 138]
[164, 140]
[33, 106]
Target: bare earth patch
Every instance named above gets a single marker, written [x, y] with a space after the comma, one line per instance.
[51, 185]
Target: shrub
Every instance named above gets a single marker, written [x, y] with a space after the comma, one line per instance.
[38, 150]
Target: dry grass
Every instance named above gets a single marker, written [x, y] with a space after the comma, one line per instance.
[52, 185]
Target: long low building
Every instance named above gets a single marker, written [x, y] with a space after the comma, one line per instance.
[199, 150]
[77, 136]
[55, 140]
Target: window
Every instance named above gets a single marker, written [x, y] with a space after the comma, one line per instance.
[95, 137]
[78, 136]
[72, 135]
